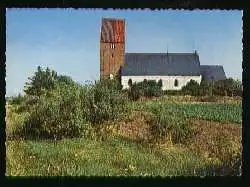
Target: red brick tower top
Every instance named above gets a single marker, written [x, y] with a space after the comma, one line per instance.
[113, 30]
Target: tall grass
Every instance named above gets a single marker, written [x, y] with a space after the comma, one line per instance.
[167, 124]
[113, 157]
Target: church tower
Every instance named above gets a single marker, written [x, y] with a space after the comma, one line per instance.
[112, 47]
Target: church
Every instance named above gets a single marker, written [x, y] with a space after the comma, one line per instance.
[174, 69]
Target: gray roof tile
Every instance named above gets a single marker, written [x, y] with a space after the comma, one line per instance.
[185, 64]
[212, 72]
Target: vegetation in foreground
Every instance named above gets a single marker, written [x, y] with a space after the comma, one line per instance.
[112, 157]
[60, 127]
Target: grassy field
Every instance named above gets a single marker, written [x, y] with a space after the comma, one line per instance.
[209, 152]
[115, 156]
[230, 113]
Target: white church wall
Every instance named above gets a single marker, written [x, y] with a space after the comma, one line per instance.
[167, 81]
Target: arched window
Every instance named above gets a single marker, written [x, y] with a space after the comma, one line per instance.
[176, 83]
[130, 82]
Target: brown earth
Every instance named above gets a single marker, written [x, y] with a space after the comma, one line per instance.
[135, 127]
[215, 139]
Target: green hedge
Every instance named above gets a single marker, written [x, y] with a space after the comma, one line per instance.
[146, 88]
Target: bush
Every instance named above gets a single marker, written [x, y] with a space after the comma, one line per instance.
[150, 88]
[62, 115]
[130, 82]
[105, 102]
[134, 93]
[227, 87]
[165, 124]
[70, 109]
[191, 88]
[205, 88]
[160, 83]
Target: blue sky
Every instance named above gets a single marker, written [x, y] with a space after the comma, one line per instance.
[67, 40]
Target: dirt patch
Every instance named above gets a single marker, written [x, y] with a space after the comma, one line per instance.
[217, 128]
[216, 140]
[135, 127]
[220, 142]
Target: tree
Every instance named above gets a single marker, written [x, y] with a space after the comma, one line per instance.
[41, 80]
[66, 79]
[44, 80]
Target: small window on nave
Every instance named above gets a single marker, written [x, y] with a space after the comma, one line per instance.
[176, 83]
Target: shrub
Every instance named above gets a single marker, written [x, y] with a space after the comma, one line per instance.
[191, 88]
[105, 102]
[150, 88]
[61, 115]
[205, 88]
[69, 109]
[227, 87]
[160, 83]
[130, 82]
[134, 93]
[164, 124]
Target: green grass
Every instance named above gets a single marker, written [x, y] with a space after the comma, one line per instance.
[228, 113]
[115, 156]
[13, 119]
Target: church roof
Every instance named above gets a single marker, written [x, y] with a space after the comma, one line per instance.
[183, 64]
[113, 30]
[212, 72]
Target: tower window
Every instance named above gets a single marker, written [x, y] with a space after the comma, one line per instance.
[112, 46]
[176, 83]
